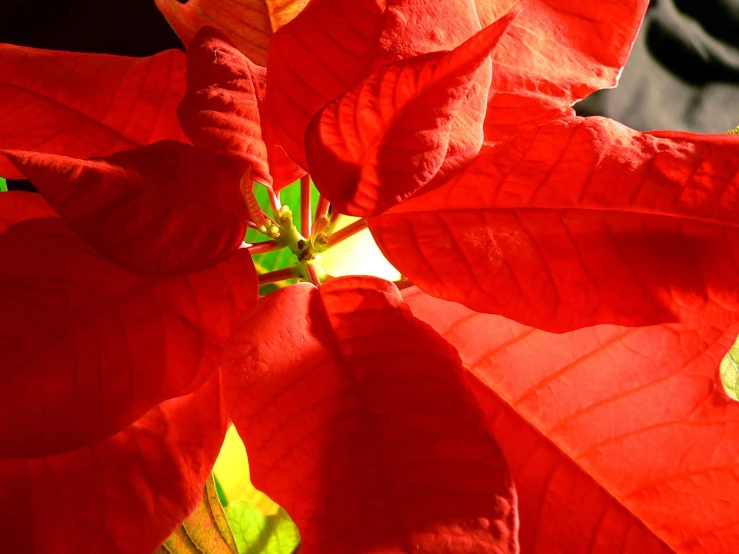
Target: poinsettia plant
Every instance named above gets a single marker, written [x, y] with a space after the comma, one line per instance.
[545, 378]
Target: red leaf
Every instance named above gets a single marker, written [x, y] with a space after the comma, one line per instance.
[425, 26]
[282, 167]
[221, 109]
[248, 23]
[620, 440]
[88, 347]
[509, 114]
[18, 206]
[86, 105]
[556, 53]
[581, 222]
[358, 421]
[316, 57]
[331, 46]
[389, 136]
[124, 494]
[164, 208]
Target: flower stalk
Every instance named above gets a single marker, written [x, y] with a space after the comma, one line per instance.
[350, 230]
[305, 205]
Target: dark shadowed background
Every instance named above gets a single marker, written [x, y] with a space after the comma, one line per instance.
[683, 72]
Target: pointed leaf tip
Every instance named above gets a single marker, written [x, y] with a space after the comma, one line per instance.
[164, 208]
[390, 135]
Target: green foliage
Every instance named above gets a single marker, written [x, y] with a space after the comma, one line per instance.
[241, 527]
[3, 185]
[259, 525]
[206, 530]
[271, 261]
[730, 372]
[256, 533]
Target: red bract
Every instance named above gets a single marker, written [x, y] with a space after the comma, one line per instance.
[555, 53]
[80, 105]
[223, 105]
[579, 222]
[391, 135]
[129, 199]
[619, 439]
[366, 431]
[89, 461]
[123, 494]
[249, 23]
[449, 125]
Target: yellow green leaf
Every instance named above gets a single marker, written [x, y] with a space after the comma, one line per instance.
[249, 24]
[206, 531]
[259, 525]
[730, 372]
[232, 472]
[257, 533]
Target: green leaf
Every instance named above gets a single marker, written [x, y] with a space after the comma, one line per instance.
[730, 372]
[3, 185]
[271, 261]
[205, 531]
[256, 533]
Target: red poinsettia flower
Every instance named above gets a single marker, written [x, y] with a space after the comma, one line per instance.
[132, 328]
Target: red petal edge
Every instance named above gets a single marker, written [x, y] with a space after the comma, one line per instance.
[17, 206]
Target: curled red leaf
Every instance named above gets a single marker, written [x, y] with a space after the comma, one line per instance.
[390, 135]
[556, 53]
[221, 109]
[248, 23]
[165, 208]
[313, 59]
[358, 421]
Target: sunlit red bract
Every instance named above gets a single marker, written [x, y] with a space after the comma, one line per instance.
[131, 328]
